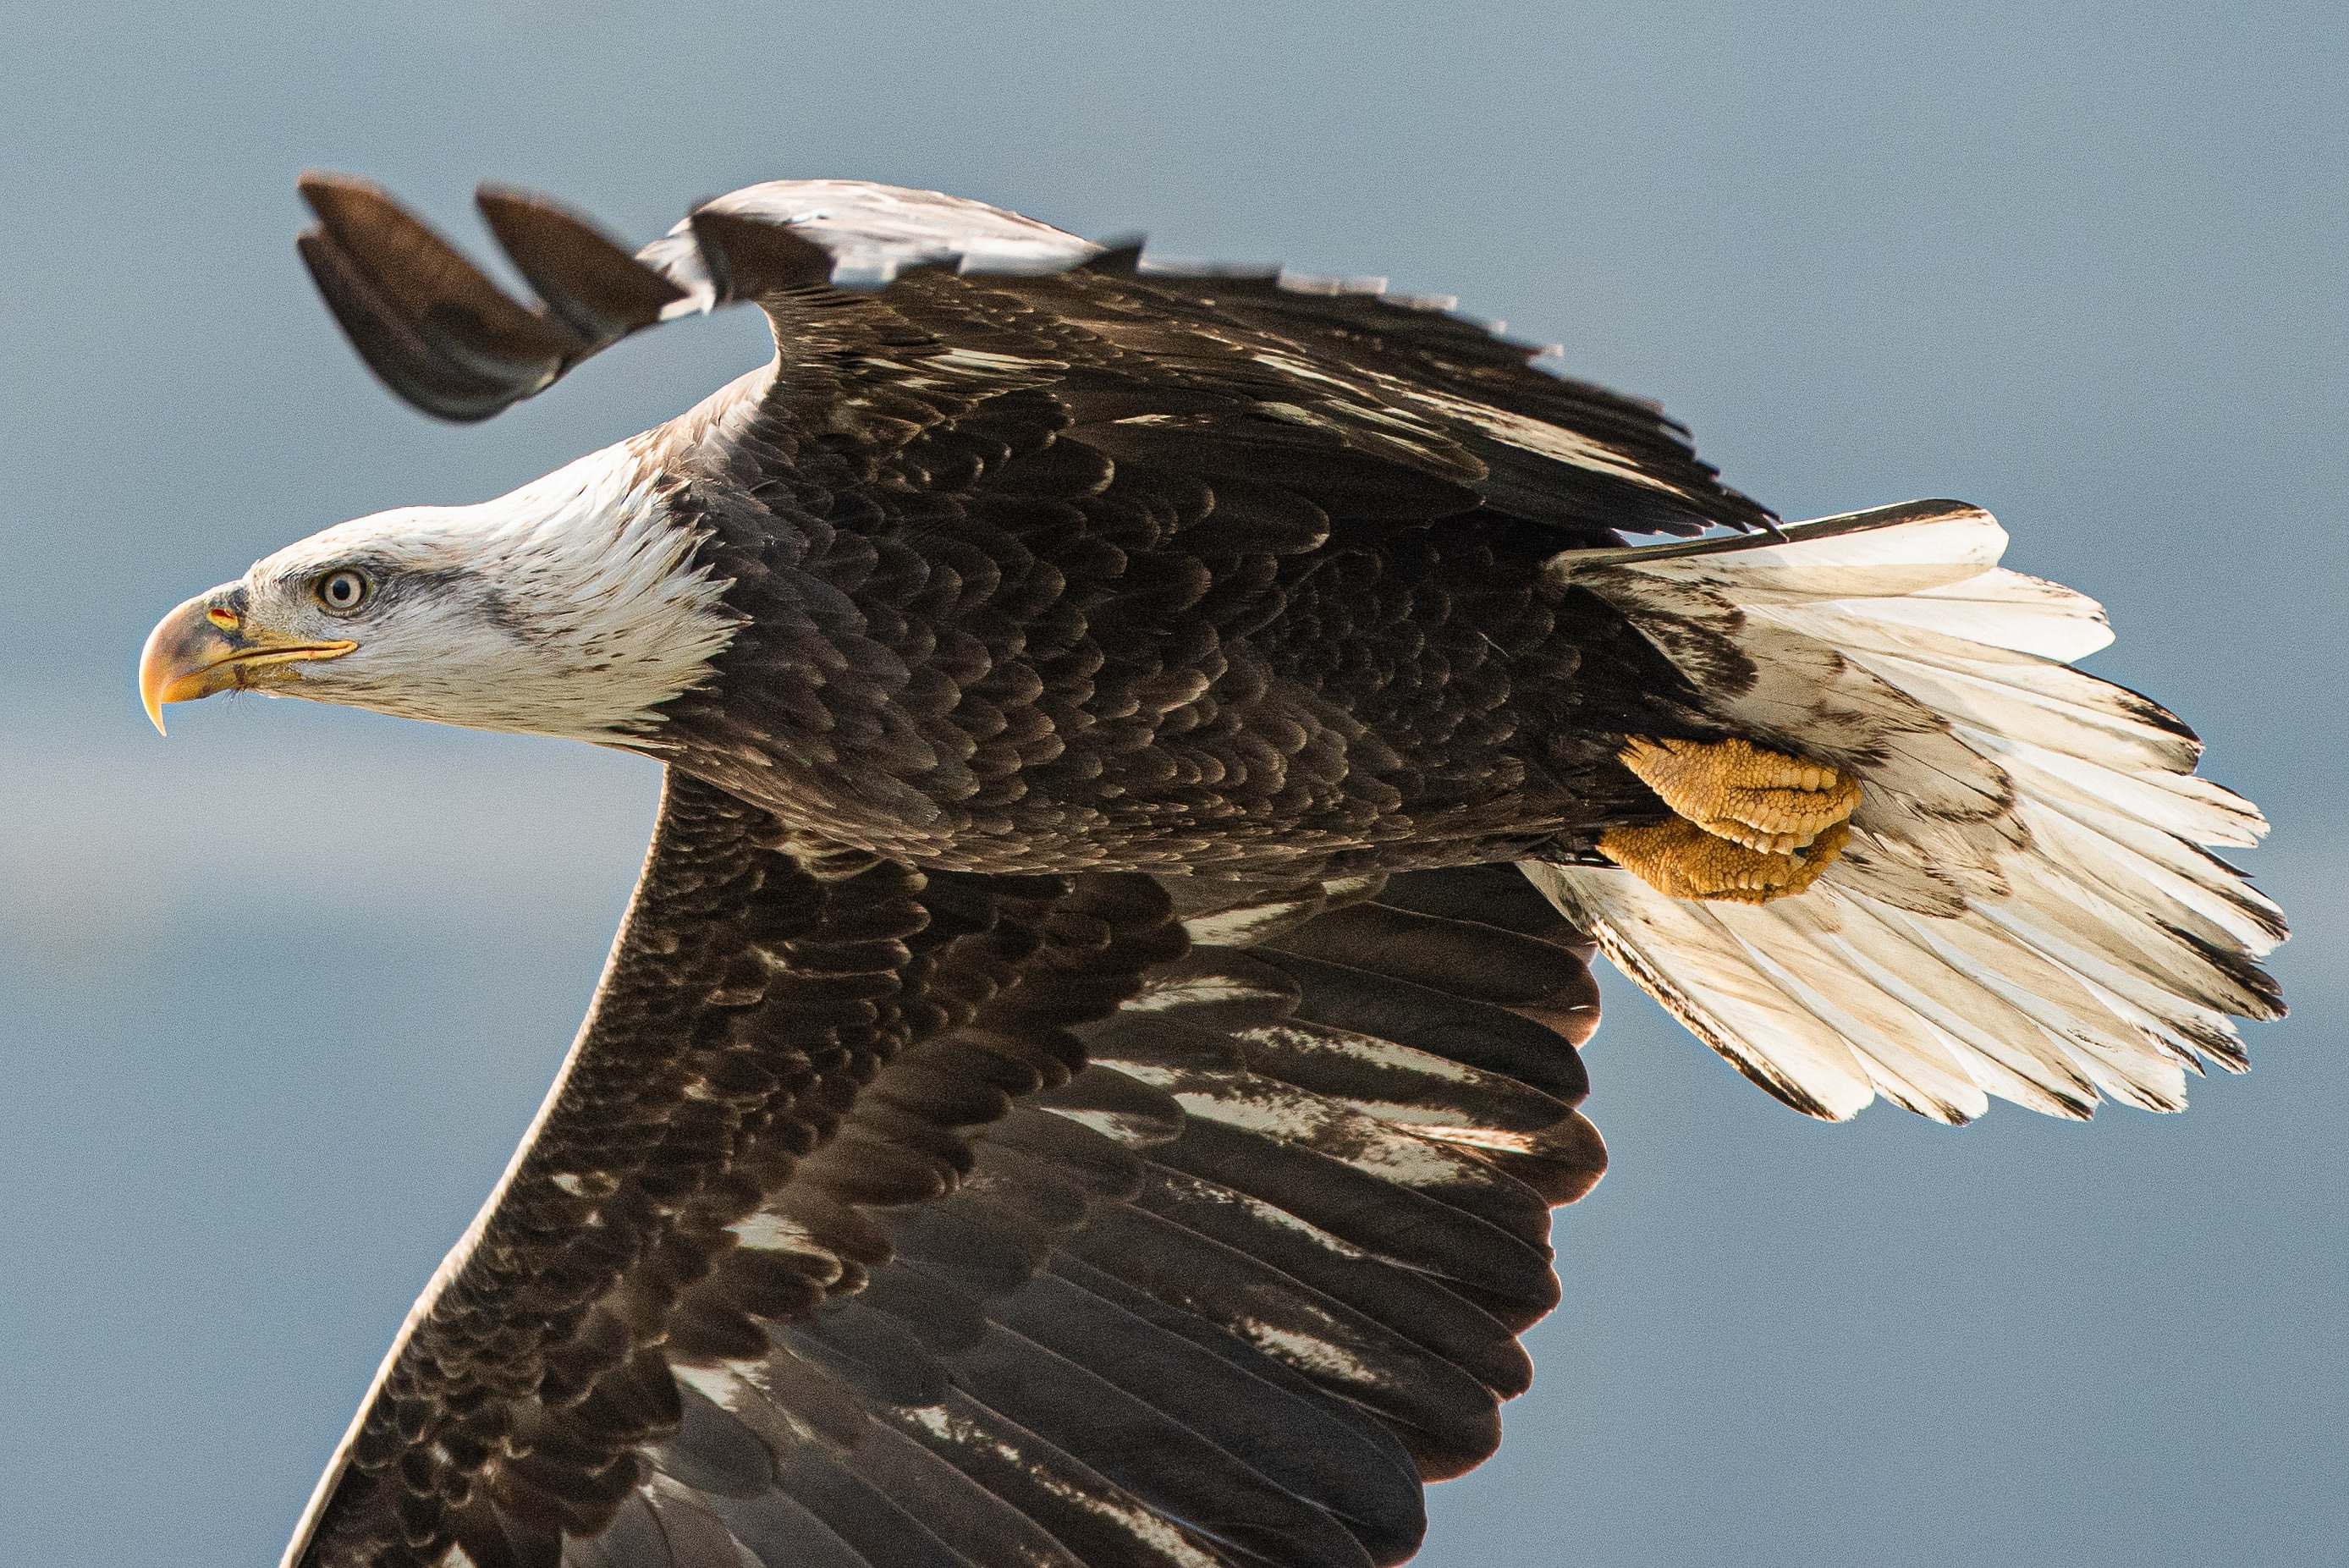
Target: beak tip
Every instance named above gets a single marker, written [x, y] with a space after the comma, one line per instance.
[199, 649]
[154, 673]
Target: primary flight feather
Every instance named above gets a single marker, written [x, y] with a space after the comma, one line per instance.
[1083, 1078]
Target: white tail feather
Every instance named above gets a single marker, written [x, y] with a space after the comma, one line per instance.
[2026, 909]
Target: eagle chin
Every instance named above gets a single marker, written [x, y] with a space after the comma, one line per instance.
[1087, 1068]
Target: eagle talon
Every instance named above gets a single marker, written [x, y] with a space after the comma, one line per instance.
[1765, 801]
[1681, 859]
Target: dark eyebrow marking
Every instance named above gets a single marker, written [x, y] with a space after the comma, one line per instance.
[493, 607]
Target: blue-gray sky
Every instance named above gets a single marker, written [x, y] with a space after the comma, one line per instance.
[281, 992]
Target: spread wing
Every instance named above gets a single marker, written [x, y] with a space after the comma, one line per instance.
[903, 317]
[890, 1219]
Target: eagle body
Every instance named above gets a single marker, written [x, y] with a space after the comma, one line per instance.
[1045, 659]
[1086, 1072]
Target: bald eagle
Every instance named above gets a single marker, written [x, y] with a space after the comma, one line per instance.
[1084, 1076]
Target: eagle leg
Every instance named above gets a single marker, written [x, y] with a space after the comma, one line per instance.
[1765, 801]
[1681, 859]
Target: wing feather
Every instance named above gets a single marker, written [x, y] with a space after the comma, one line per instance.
[1077, 1243]
[925, 327]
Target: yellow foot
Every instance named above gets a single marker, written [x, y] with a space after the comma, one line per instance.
[1735, 789]
[1680, 860]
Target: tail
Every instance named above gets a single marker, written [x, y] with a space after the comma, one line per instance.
[2026, 908]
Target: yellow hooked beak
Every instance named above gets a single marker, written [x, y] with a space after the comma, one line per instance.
[207, 645]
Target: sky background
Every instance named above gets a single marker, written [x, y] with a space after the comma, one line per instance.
[277, 997]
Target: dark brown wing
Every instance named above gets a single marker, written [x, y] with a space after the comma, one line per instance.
[883, 1219]
[900, 315]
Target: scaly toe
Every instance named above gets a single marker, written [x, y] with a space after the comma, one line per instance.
[1764, 800]
[1682, 860]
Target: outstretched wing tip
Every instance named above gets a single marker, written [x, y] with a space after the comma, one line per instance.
[437, 329]
[320, 187]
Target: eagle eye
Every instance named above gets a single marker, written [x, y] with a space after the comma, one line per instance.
[342, 592]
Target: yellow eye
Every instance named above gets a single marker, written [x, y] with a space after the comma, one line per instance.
[342, 592]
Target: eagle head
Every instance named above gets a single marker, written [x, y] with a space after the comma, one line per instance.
[572, 607]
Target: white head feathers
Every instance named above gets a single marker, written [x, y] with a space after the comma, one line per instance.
[570, 606]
